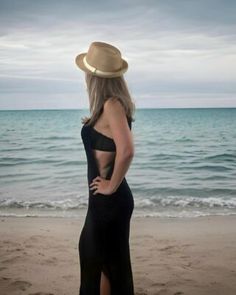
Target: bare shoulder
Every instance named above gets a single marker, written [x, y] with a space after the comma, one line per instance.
[114, 106]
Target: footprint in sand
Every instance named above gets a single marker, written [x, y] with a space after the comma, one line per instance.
[11, 259]
[11, 286]
[4, 279]
[19, 249]
[158, 284]
[34, 238]
[51, 261]
[17, 285]
[41, 293]
[41, 254]
[4, 283]
[22, 285]
[172, 249]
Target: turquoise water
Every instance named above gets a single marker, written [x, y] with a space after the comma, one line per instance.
[184, 163]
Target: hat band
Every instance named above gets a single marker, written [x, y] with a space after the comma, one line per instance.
[95, 70]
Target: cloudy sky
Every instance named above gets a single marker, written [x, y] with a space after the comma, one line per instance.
[180, 53]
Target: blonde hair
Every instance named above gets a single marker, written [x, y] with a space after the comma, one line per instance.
[101, 89]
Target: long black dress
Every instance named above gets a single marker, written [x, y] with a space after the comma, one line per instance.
[104, 239]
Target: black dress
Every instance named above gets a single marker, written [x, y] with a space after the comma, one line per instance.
[104, 239]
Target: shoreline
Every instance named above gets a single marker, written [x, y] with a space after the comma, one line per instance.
[213, 215]
[169, 255]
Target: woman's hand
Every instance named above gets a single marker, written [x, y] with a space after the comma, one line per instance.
[100, 185]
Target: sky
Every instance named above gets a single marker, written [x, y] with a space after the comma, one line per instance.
[180, 53]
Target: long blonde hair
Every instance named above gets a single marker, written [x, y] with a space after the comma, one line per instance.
[101, 89]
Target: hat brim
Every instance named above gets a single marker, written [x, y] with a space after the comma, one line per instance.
[79, 62]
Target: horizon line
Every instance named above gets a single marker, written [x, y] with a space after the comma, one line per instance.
[142, 108]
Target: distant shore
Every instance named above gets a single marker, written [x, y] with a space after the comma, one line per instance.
[193, 256]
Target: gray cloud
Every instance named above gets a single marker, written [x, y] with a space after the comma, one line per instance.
[172, 47]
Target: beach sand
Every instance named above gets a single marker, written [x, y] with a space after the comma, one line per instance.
[39, 255]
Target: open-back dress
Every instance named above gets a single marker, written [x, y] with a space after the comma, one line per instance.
[104, 239]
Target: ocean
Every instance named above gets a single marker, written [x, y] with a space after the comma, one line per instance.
[184, 163]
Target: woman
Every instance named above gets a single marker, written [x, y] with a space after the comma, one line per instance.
[105, 264]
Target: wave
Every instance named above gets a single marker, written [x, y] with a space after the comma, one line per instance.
[184, 214]
[214, 168]
[141, 203]
[67, 204]
[54, 137]
[221, 157]
[13, 161]
[165, 156]
[191, 202]
[211, 177]
[171, 214]
[165, 192]
[15, 149]
[25, 161]
[184, 139]
[70, 163]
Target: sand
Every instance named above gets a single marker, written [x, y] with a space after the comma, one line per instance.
[39, 255]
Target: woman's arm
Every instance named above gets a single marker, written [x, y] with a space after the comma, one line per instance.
[122, 136]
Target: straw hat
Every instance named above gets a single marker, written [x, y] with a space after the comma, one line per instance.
[103, 60]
